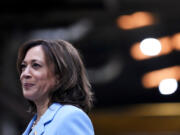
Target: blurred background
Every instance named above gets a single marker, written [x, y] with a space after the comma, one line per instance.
[131, 49]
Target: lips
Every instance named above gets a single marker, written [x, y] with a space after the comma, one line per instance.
[28, 85]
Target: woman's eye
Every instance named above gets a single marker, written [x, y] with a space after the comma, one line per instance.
[23, 66]
[35, 65]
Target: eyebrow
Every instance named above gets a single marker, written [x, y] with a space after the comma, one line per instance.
[34, 60]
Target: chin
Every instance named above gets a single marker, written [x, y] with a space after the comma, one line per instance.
[28, 96]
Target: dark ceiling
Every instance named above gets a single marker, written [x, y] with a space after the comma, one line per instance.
[103, 43]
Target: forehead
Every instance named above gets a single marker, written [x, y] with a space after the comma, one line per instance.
[35, 53]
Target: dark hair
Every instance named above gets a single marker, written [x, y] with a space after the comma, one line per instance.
[74, 87]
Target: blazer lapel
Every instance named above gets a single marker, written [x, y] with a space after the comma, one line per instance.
[38, 129]
[26, 132]
[45, 118]
[50, 113]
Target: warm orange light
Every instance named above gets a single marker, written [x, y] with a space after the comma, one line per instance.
[176, 41]
[124, 22]
[138, 55]
[143, 19]
[166, 45]
[152, 79]
[135, 20]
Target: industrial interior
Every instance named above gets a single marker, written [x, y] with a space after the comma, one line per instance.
[136, 91]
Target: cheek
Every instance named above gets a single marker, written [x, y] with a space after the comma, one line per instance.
[52, 82]
[47, 81]
[39, 76]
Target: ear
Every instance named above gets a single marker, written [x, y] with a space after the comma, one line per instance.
[57, 80]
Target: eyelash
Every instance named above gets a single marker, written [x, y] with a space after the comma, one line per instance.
[34, 65]
[22, 67]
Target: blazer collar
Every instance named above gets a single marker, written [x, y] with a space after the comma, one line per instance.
[45, 118]
[50, 113]
[26, 132]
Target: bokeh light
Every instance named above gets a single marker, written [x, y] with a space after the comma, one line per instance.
[150, 46]
[168, 86]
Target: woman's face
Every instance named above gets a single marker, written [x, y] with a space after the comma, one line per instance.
[37, 77]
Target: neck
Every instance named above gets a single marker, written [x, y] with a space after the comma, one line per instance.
[41, 108]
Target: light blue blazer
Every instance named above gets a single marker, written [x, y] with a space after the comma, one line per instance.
[61, 120]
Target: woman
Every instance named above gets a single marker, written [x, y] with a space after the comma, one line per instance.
[55, 84]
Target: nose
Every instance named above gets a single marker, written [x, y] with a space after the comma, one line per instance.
[26, 73]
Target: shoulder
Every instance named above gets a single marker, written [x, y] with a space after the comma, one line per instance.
[70, 109]
[70, 112]
[72, 120]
